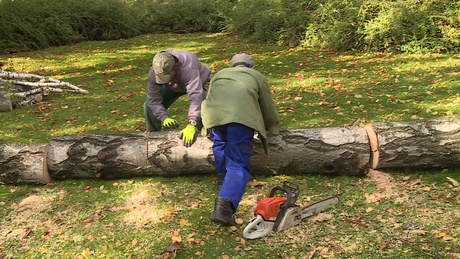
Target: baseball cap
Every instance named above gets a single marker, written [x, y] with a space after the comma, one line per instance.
[163, 63]
[242, 57]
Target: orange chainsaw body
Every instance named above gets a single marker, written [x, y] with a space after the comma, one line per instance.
[269, 208]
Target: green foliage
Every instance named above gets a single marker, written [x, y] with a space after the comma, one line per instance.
[256, 20]
[334, 25]
[340, 25]
[181, 16]
[36, 24]
[413, 26]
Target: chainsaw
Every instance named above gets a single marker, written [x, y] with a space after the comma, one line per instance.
[279, 211]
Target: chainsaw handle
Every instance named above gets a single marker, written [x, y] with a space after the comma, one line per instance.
[257, 228]
[290, 189]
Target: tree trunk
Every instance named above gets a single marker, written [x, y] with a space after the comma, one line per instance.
[341, 151]
[419, 144]
[5, 102]
[5, 99]
[21, 164]
[333, 151]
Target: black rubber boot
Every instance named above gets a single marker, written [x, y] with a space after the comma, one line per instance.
[223, 212]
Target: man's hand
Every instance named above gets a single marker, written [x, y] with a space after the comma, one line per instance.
[170, 123]
[188, 135]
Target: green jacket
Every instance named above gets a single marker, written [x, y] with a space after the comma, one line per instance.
[240, 95]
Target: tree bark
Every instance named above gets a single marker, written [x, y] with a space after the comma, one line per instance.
[332, 151]
[419, 144]
[340, 151]
[5, 97]
[5, 102]
[22, 164]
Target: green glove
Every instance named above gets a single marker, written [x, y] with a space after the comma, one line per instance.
[170, 123]
[188, 135]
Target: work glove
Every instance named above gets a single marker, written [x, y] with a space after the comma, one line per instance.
[170, 123]
[188, 135]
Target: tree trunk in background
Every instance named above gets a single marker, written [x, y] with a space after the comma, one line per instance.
[5, 102]
[332, 151]
[5, 99]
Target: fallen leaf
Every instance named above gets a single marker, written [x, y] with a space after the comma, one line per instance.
[184, 222]
[447, 238]
[311, 253]
[88, 220]
[257, 184]
[320, 217]
[453, 181]
[418, 231]
[176, 238]
[173, 247]
[415, 182]
[351, 247]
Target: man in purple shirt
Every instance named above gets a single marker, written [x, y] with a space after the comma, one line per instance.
[173, 74]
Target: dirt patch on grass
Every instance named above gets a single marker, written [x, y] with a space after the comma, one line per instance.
[26, 217]
[142, 209]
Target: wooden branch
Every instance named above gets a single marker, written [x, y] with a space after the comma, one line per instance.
[34, 81]
[52, 84]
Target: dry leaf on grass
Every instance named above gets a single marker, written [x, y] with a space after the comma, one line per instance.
[320, 217]
[453, 182]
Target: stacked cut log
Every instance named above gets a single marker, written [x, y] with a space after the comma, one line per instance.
[20, 89]
[350, 150]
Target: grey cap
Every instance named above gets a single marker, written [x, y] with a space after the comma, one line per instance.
[163, 63]
[242, 57]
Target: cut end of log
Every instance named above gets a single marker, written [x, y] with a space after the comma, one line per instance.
[46, 176]
[374, 146]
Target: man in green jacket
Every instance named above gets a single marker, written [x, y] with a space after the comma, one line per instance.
[237, 105]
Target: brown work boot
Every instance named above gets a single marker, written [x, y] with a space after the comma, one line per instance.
[223, 212]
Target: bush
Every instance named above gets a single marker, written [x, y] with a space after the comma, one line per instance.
[371, 25]
[182, 16]
[36, 24]
[413, 26]
[335, 24]
[255, 20]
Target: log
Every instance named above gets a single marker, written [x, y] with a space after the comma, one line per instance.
[23, 164]
[5, 96]
[339, 151]
[5, 102]
[333, 151]
[432, 143]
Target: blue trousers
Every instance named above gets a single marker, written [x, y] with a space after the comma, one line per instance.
[232, 147]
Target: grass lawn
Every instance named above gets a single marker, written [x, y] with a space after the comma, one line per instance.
[393, 214]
